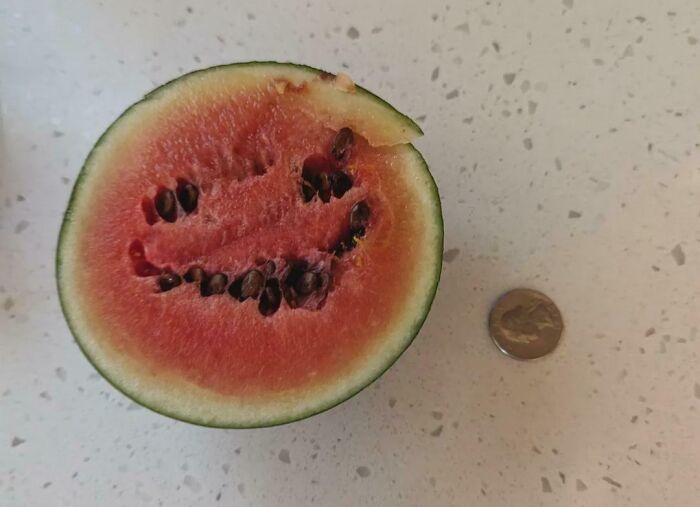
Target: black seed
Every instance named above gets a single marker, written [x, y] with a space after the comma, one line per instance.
[290, 295]
[324, 188]
[216, 284]
[268, 268]
[310, 177]
[165, 205]
[341, 183]
[306, 283]
[252, 284]
[194, 274]
[187, 195]
[270, 298]
[342, 143]
[358, 233]
[359, 216]
[168, 281]
[338, 249]
[296, 269]
[307, 191]
[235, 288]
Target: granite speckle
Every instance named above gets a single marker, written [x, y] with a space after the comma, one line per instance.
[450, 255]
[546, 486]
[21, 226]
[8, 304]
[363, 471]
[612, 481]
[678, 255]
[437, 431]
[192, 483]
[509, 77]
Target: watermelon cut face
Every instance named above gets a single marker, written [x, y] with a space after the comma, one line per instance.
[250, 244]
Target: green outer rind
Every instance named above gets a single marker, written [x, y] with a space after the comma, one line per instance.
[434, 193]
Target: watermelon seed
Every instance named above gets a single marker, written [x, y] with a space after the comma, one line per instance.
[268, 268]
[252, 284]
[358, 233]
[339, 249]
[359, 216]
[216, 284]
[341, 183]
[296, 270]
[235, 288]
[194, 274]
[168, 281]
[291, 296]
[165, 205]
[324, 187]
[342, 143]
[187, 195]
[270, 298]
[307, 191]
[310, 176]
[306, 283]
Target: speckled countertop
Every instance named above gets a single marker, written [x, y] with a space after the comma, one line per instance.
[564, 136]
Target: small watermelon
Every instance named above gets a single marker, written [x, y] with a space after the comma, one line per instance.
[250, 244]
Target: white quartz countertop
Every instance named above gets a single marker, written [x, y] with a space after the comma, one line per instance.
[565, 140]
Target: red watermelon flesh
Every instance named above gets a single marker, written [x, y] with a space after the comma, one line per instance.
[241, 144]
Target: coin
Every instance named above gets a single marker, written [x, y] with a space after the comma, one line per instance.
[525, 324]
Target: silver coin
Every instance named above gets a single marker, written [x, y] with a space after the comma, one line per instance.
[525, 324]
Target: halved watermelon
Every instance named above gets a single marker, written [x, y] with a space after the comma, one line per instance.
[250, 244]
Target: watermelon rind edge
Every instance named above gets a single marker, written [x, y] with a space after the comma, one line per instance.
[439, 245]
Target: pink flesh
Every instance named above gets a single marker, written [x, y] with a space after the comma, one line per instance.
[242, 218]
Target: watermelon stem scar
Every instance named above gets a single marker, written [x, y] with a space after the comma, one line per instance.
[271, 238]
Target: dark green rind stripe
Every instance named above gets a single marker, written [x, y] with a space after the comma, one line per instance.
[193, 419]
